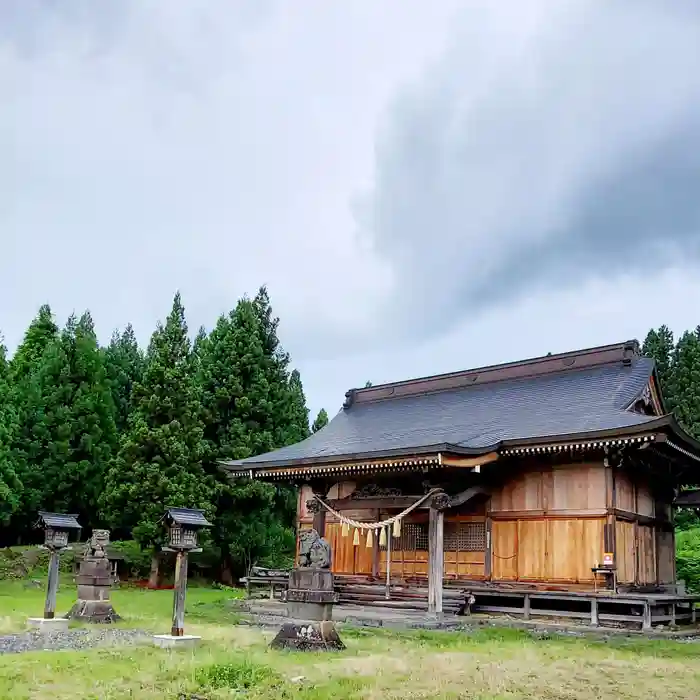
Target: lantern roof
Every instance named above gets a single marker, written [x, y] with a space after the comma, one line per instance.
[194, 517]
[60, 521]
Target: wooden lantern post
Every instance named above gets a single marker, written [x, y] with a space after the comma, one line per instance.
[183, 526]
[57, 528]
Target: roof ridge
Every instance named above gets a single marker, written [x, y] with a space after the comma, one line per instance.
[533, 367]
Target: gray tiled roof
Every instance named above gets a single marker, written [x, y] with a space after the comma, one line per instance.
[476, 418]
[59, 520]
[188, 516]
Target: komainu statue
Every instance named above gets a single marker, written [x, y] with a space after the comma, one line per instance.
[98, 544]
[314, 551]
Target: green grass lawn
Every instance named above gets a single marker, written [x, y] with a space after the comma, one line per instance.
[234, 662]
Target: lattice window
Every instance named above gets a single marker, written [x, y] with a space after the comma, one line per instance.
[414, 538]
[462, 537]
[465, 537]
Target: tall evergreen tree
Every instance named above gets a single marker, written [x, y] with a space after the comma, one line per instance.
[659, 346]
[250, 405]
[68, 434]
[685, 382]
[10, 486]
[124, 367]
[158, 463]
[41, 333]
[298, 412]
[321, 421]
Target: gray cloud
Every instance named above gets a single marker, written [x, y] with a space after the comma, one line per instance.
[209, 146]
[536, 154]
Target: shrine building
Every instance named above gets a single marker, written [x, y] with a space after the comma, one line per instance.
[544, 486]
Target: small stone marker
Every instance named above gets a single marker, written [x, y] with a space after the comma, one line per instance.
[57, 527]
[310, 597]
[183, 525]
[94, 583]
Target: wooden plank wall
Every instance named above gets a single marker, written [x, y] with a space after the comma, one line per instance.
[645, 552]
[547, 524]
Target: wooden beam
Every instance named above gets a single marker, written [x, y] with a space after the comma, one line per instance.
[436, 560]
[553, 514]
[461, 498]
[468, 462]
[631, 517]
[386, 503]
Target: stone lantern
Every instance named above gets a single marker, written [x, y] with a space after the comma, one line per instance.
[57, 529]
[183, 525]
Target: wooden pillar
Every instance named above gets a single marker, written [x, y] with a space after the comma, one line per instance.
[594, 612]
[375, 548]
[51, 587]
[178, 628]
[320, 521]
[488, 553]
[436, 557]
[319, 512]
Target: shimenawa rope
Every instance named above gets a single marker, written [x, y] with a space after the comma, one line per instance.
[384, 523]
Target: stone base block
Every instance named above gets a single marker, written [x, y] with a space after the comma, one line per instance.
[319, 612]
[167, 641]
[96, 611]
[315, 636]
[55, 624]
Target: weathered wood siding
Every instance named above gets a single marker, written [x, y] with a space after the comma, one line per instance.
[558, 550]
[625, 552]
[578, 487]
[646, 555]
[548, 524]
[666, 556]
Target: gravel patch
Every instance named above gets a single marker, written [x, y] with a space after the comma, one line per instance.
[73, 640]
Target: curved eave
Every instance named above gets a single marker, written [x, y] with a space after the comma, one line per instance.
[612, 433]
[247, 465]
[658, 429]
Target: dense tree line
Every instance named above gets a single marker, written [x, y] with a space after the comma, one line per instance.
[678, 368]
[116, 434]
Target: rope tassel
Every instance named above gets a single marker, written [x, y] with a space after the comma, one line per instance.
[397, 528]
[382, 537]
[345, 529]
[370, 541]
[356, 537]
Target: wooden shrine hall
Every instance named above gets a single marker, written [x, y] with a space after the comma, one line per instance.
[542, 487]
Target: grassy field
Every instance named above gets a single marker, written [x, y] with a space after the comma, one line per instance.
[234, 662]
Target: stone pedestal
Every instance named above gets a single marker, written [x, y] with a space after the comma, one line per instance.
[310, 598]
[315, 636]
[48, 625]
[169, 641]
[94, 583]
[310, 595]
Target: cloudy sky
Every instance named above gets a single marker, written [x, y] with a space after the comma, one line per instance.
[424, 187]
